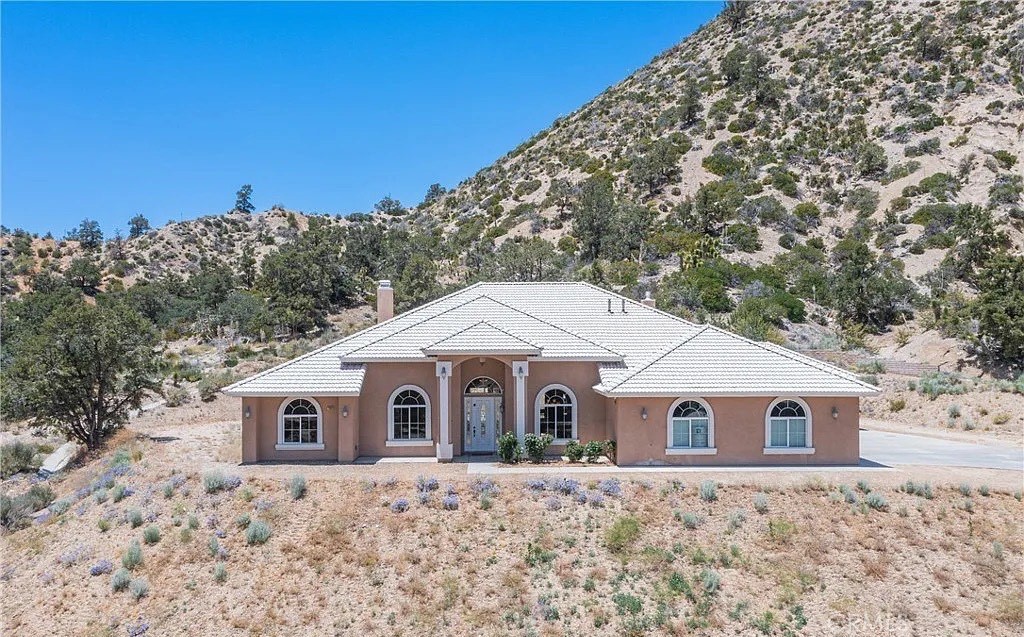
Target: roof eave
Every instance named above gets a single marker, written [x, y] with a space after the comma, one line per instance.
[293, 392]
[853, 393]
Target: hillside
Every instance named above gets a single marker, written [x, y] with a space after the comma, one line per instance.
[810, 173]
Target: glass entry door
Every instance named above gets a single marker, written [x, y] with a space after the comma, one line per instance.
[482, 424]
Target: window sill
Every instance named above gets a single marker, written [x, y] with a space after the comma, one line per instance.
[409, 443]
[691, 451]
[788, 451]
[299, 447]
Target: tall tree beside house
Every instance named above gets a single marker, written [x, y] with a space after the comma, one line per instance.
[592, 214]
[137, 226]
[243, 200]
[306, 279]
[84, 369]
[417, 283]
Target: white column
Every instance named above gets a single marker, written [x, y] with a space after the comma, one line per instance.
[520, 369]
[445, 450]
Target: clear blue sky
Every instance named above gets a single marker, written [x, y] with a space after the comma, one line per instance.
[112, 109]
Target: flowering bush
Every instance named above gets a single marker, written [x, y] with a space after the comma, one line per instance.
[536, 446]
[574, 451]
[101, 568]
[481, 486]
[450, 502]
[610, 487]
[509, 449]
[565, 486]
[595, 499]
[553, 503]
[534, 484]
[429, 483]
[401, 505]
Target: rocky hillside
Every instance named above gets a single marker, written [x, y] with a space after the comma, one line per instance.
[916, 102]
[755, 159]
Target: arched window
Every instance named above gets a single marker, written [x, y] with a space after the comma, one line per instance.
[690, 425]
[483, 386]
[556, 412]
[788, 424]
[300, 424]
[409, 414]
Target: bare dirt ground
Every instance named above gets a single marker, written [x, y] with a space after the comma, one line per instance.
[655, 559]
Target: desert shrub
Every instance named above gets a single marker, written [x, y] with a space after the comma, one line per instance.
[101, 496]
[984, 490]
[103, 524]
[736, 519]
[102, 567]
[935, 384]
[177, 396]
[16, 457]
[213, 546]
[710, 580]
[610, 487]
[509, 449]
[486, 501]
[120, 580]
[243, 521]
[119, 492]
[450, 502]
[692, 520]
[61, 506]
[761, 503]
[427, 483]
[297, 486]
[401, 505]
[1001, 418]
[863, 486]
[897, 404]
[215, 481]
[708, 491]
[210, 384]
[15, 512]
[744, 237]
[876, 501]
[965, 489]
[781, 531]
[953, 411]
[138, 587]
[220, 572]
[593, 450]
[134, 518]
[536, 446]
[573, 451]
[151, 534]
[132, 556]
[626, 603]
[553, 503]
[623, 532]
[923, 489]
[258, 532]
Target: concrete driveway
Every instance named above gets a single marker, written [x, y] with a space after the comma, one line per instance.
[892, 450]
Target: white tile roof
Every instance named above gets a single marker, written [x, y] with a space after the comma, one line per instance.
[642, 351]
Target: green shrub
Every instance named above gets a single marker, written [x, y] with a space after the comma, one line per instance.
[103, 524]
[16, 457]
[781, 531]
[935, 384]
[211, 384]
[593, 450]
[536, 446]
[119, 581]
[626, 603]
[118, 492]
[177, 396]
[151, 534]
[509, 449]
[761, 503]
[692, 520]
[897, 404]
[623, 532]
[138, 587]
[220, 572]
[708, 491]
[297, 486]
[257, 533]
[243, 520]
[135, 518]
[876, 501]
[132, 557]
[574, 451]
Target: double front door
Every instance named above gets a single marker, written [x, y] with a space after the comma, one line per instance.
[482, 423]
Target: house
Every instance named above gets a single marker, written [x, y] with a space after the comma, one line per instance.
[568, 359]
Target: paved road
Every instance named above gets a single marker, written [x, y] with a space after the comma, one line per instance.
[904, 449]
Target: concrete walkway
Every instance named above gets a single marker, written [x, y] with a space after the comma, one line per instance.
[891, 449]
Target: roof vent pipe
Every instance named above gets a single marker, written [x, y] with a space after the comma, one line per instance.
[609, 305]
[385, 301]
[623, 306]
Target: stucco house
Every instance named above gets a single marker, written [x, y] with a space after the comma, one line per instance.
[569, 359]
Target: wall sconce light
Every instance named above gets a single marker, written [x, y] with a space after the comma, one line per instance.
[248, 411]
[643, 413]
[344, 411]
[835, 412]
[444, 372]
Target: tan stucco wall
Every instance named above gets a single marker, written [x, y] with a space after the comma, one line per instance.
[259, 431]
[739, 432]
[380, 381]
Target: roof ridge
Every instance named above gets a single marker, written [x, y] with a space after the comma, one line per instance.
[798, 357]
[341, 340]
[659, 356]
[557, 327]
[478, 323]
[639, 304]
[515, 336]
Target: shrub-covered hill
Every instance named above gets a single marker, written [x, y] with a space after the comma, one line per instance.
[849, 164]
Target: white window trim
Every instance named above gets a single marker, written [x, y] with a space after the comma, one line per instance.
[710, 450]
[783, 451]
[408, 442]
[538, 402]
[296, 446]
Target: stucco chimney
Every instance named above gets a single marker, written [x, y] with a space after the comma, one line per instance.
[647, 300]
[385, 301]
